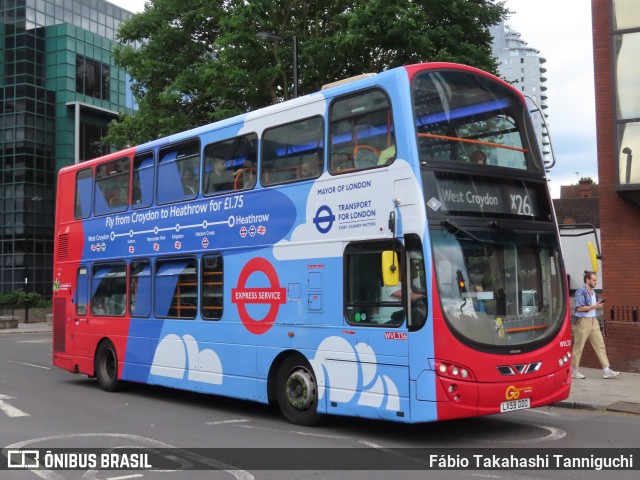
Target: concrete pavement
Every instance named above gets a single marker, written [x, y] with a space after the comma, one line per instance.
[620, 394]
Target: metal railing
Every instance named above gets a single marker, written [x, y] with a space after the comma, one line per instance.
[624, 314]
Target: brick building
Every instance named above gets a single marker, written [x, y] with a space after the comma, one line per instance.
[616, 47]
[578, 213]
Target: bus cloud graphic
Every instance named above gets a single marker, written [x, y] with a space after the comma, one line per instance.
[336, 367]
[174, 355]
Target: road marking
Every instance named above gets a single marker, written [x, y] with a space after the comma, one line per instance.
[306, 434]
[43, 340]
[225, 422]
[29, 364]
[10, 409]
[554, 434]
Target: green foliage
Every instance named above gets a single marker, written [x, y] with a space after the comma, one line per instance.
[198, 61]
[22, 299]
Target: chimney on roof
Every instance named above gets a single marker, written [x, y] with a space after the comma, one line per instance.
[586, 187]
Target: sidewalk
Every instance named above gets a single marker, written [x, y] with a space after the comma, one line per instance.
[620, 394]
[37, 327]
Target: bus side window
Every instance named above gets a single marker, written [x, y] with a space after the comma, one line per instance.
[82, 291]
[108, 290]
[176, 288]
[84, 189]
[230, 164]
[143, 175]
[112, 187]
[179, 172]
[212, 287]
[140, 288]
[285, 148]
[361, 130]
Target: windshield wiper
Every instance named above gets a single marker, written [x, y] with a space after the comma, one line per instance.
[457, 229]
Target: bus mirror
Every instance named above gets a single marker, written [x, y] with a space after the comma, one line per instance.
[390, 270]
[593, 256]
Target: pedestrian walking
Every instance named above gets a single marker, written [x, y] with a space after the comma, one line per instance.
[587, 327]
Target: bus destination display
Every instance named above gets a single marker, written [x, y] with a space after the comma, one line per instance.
[483, 197]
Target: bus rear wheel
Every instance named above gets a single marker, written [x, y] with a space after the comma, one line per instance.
[297, 392]
[106, 367]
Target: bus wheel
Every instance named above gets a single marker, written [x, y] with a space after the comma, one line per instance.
[106, 367]
[297, 392]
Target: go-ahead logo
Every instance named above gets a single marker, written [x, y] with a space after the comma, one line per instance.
[274, 295]
[513, 392]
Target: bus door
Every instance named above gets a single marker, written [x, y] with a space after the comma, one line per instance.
[77, 330]
[376, 315]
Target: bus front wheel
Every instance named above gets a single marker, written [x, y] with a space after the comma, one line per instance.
[297, 392]
[106, 367]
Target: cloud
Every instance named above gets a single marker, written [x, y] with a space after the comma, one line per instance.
[562, 32]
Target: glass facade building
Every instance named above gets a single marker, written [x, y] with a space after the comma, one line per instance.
[522, 66]
[58, 91]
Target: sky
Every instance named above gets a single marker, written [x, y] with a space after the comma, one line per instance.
[561, 31]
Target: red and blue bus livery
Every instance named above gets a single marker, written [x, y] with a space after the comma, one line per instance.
[341, 253]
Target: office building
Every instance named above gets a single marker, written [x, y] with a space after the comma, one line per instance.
[58, 91]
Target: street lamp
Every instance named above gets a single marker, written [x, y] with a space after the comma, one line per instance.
[272, 37]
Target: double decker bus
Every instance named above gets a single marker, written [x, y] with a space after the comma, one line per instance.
[384, 248]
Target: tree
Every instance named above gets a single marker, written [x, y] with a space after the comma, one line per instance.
[196, 61]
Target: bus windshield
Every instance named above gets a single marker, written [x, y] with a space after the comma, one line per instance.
[463, 117]
[499, 289]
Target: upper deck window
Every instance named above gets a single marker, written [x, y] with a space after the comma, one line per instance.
[293, 152]
[179, 172]
[362, 133]
[230, 164]
[84, 188]
[464, 117]
[112, 187]
[143, 176]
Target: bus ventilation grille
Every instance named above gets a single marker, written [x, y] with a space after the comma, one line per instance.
[63, 246]
[520, 369]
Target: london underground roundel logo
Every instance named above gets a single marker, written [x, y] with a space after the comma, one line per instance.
[273, 295]
[324, 219]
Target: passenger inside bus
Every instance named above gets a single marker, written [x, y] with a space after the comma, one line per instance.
[98, 306]
[219, 178]
[478, 157]
[189, 182]
[310, 167]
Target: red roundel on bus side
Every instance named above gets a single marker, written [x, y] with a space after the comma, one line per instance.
[274, 296]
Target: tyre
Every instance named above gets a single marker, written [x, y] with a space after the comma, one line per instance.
[297, 391]
[106, 367]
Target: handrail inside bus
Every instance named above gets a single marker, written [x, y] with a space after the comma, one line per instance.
[475, 142]
[525, 329]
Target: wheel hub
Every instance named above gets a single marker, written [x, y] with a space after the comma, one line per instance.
[300, 390]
